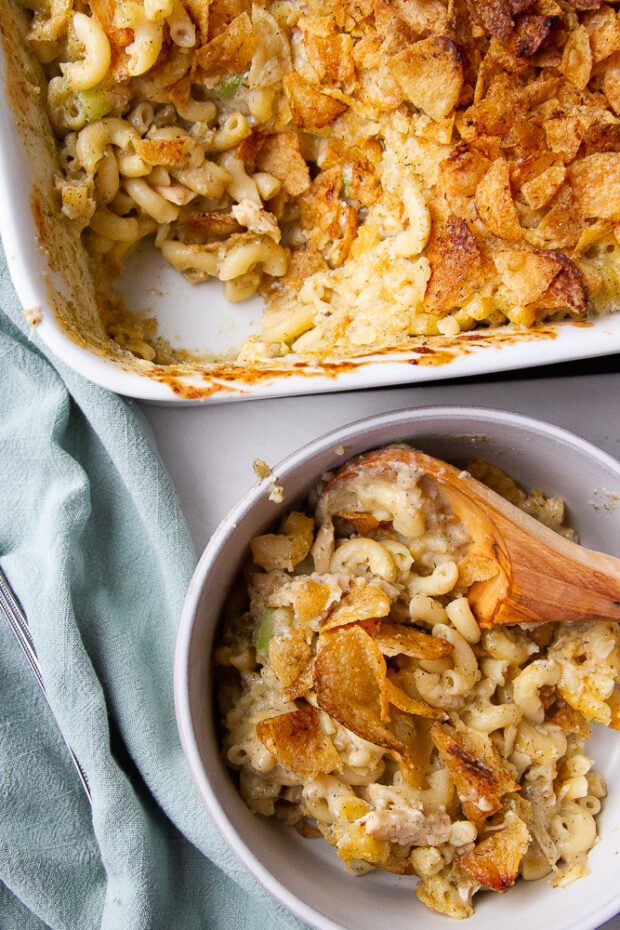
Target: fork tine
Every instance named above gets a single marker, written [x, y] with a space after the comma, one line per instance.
[14, 614]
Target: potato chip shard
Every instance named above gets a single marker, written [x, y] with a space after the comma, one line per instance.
[398, 866]
[559, 228]
[529, 168]
[352, 842]
[363, 602]
[531, 32]
[584, 4]
[459, 175]
[199, 12]
[280, 155]
[494, 862]
[362, 522]
[395, 639]
[520, 6]
[204, 227]
[298, 743]
[310, 108]
[162, 151]
[430, 74]
[497, 480]
[527, 274]
[330, 56]
[364, 185]
[476, 567]
[494, 113]
[307, 829]
[457, 266]
[494, 15]
[395, 695]
[249, 147]
[540, 190]
[289, 656]
[481, 779]
[181, 91]
[494, 203]
[571, 720]
[232, 49]
[309, 599]
[564, 135]
[350, 677]
[595, 182]
[286, 549]
[604, 31]
[611, 82]
[567, 290]
[448, 891]
[614, 706]
[603, 133]
[330, 223]
[118, 37]
[577, 58]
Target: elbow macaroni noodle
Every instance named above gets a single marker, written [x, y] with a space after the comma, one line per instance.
[510, 697]
[84, 74]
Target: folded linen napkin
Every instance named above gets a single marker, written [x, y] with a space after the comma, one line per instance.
[95, 546]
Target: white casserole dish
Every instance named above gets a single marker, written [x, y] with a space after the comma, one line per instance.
[200, 320]
[306, 875]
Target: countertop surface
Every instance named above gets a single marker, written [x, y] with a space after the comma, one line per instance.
[209, 450]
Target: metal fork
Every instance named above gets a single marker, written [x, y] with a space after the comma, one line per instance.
[12, 610]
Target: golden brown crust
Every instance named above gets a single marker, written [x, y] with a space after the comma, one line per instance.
[402, 639]
[494, 862]
[233, 48]
[310, 108]
[280, 155]
[481, 779]
[298, 743]
[457, 265]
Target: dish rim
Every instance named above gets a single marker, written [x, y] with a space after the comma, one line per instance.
[220, 537]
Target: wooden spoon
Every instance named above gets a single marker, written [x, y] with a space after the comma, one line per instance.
[541, 575]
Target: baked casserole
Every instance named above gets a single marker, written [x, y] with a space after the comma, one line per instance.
[382, 172]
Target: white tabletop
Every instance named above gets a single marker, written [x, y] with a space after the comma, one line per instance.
[209, 450]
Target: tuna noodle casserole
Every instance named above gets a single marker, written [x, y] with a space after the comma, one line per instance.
[361, 700]
[381, 171]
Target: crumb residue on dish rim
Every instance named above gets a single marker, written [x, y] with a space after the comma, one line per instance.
[33, 315]
[264, 472]
[607, 500]
[236, 379]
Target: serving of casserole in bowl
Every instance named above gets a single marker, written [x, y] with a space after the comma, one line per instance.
[336, 679]
[224, 199]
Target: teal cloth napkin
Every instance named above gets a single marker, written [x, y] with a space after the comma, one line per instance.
[95, 546]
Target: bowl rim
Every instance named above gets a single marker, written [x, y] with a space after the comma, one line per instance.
[227, 526]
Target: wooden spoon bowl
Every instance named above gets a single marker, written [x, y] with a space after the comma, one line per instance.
[541, 575]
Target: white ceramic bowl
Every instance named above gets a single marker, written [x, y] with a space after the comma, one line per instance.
[306, 875]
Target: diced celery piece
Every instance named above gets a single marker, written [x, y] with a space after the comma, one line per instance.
[229, 86]
[265, 630]
[95, 104]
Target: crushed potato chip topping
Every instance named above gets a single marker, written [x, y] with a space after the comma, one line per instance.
[381, 171]
[360, 700]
